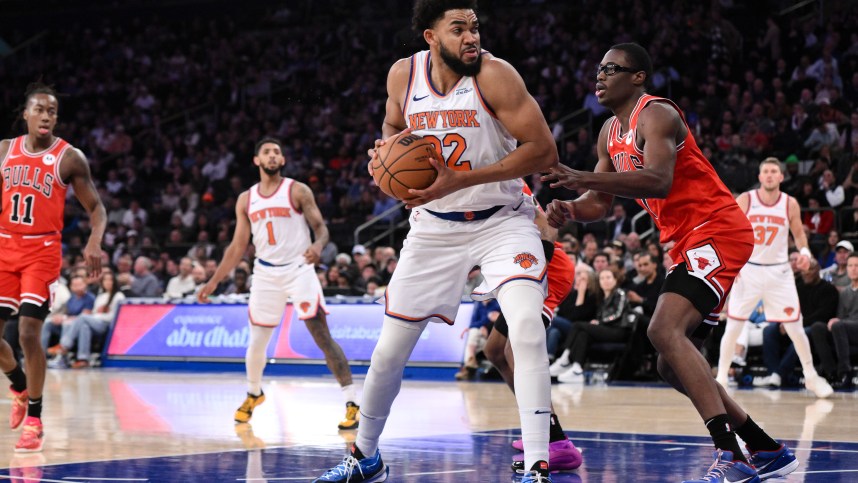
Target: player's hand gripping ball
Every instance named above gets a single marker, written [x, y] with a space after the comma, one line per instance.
[403, 163]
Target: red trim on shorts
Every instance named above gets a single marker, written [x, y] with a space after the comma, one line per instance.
[517, 277]
[253, 322]
[406, 318]
[784, 321]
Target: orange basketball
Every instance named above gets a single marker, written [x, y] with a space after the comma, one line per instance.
[403, 164]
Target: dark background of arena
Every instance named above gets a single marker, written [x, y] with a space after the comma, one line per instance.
[167, 98]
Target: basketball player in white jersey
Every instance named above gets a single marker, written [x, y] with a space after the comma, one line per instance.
[768, 277]
[276, 212]
[475, 108]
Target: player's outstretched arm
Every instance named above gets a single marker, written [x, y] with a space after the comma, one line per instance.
[504, 90]
[75, 169]
[302, 198]
[658, 125]
[233, 253]
[592, 205]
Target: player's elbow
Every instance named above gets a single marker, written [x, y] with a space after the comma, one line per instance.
[661, 187]
[548, 156]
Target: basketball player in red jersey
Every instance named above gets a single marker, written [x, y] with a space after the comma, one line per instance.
[646, 151]
[562, 453]
[37, 169]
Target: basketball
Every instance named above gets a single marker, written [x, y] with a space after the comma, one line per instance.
[403, 164]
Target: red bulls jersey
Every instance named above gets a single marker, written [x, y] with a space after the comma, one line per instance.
[33, 194]
[697, 195]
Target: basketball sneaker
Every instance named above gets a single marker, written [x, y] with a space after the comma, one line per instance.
[725, 470]
[20, 400]
[537, 474]
[818, 385]
[243, 413]
[352, 417]
[355, 468]
[562, 456]
[773, 464]
[32, 437]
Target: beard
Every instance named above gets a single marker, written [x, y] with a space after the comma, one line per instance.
[456, 65]
[271, 171]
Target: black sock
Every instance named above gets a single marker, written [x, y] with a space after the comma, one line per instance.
[34, 410]
[18, 378]
[541, 466]
[556, 433]
[356, 453]
[756, 438]
[724, 437]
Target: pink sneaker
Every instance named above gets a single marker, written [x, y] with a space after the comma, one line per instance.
[19, 408]
[518, 444]
[562, 456]
[32, 437]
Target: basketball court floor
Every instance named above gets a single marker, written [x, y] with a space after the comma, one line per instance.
[139, 426]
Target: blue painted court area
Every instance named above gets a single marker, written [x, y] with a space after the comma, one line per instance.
[480, 457]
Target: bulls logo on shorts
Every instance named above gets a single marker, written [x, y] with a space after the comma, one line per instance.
[703, 260]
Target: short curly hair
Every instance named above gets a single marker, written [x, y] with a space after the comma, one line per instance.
[427, 12]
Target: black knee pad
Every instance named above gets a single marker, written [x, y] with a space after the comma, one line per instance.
[5, 314]
[680, 282]
[37, 312]
[501, 326]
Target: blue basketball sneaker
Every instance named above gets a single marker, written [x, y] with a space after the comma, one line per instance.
[355, 468]
[537, 474]
[772, 464]
[725, 470]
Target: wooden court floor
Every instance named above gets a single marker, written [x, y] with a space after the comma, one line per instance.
[105, 415]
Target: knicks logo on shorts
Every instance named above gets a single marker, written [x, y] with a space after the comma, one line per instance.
[525, 260]
[305, 306]
[789, 311]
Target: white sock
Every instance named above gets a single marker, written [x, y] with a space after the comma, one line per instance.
[384, 378]
[521, 304]
[255, 357]
[795, 331]
[728, 346]
[350, 393]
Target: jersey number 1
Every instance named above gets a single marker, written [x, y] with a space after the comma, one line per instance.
[22, 216]
[271, 240]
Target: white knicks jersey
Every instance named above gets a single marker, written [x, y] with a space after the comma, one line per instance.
[280, 232]
[771, 229]
[464, 128]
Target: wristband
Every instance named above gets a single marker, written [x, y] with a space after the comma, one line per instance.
[806, 252]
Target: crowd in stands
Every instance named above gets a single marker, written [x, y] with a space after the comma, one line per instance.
[167, 109]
